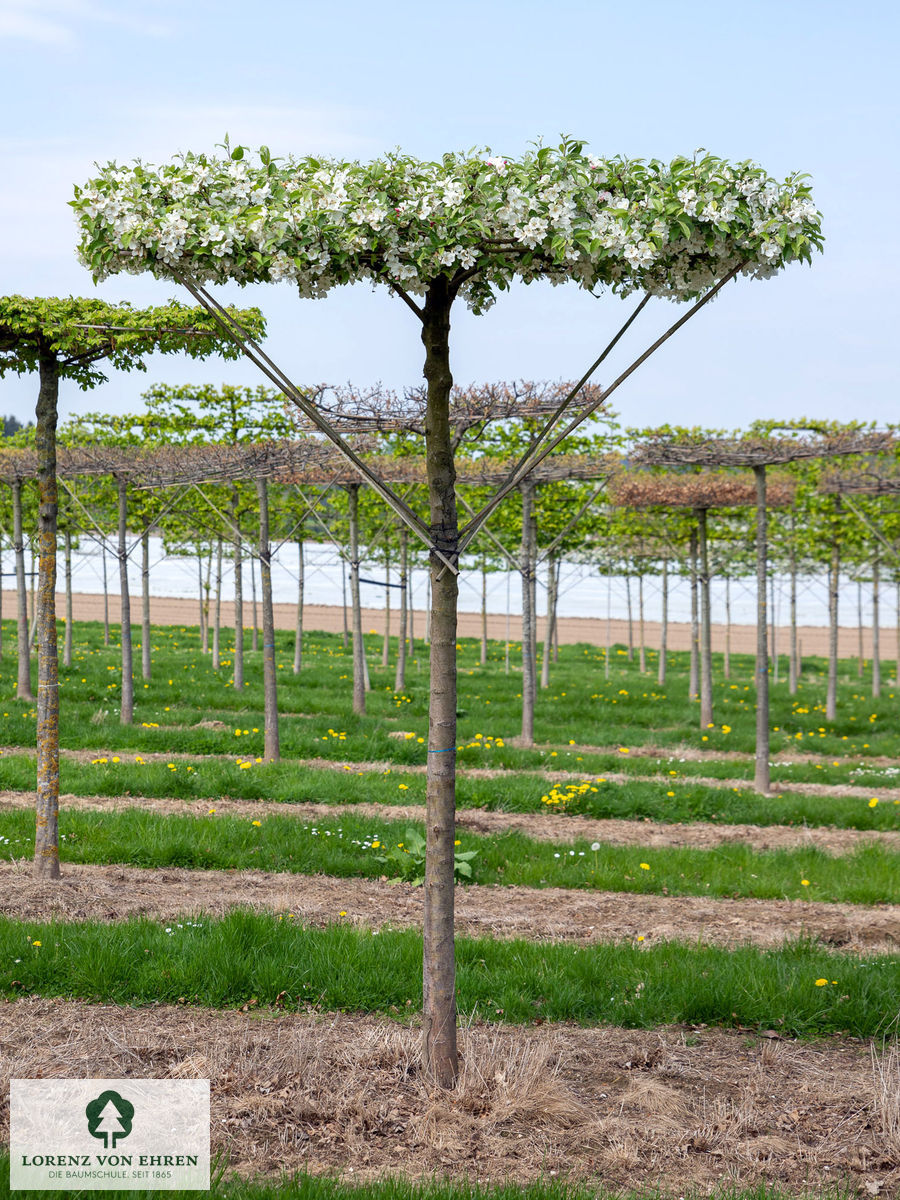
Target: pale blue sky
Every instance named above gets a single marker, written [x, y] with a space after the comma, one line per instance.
[803, 85]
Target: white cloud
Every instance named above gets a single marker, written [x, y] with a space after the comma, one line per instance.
[61, 22]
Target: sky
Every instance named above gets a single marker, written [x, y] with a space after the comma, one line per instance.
[792, 85]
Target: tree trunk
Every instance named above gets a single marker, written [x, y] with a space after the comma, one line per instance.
[359, 649]
[762, 778]
[217, 611]
[204, 611]
[876, 633]
[23, 689]
[551, 621]
[774, 629]
[663, 625]
[67, 641]
[794, 665]
[400, 676]
[556, 611]
[105, 594]
[46, 840]
[270, 679]
[509, 631]
[298, 630]
[344, 599]
[238, 596]
[32, 632]
[630, 618]
[439, 969]
[726, 665]
[860, 657]
[706, 691]
[145, 605]
[642, 648]
[834, 571]
[606, 663]
[694, 681]
[484, 620]
[386, 642]
[254, 643]
[528, 622]
[127, 704]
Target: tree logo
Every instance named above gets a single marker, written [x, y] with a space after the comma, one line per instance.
[109, 1116]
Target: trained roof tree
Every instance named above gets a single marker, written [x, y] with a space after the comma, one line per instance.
[433, 233]
[66, 339]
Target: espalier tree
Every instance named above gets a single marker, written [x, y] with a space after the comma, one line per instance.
[463, 228]
[66, 339]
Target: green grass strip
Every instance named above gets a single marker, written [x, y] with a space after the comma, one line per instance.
[512, 792]
[351, 846]
[301, 1186]
[248, 956]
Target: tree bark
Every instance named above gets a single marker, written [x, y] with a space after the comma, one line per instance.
[359, 648]
[344, 598]
[46, 840]
[774, 631]
[298, 629]
[145, 605]
[762, 776]
[860, 657]
[630, 618]
[834, 571]
[642, 648]
[67, 559]
[551, 621]
[726, 664]
[386, 642]
[23, 689]
[706, 691]
[528, 621]
[126, 712]
[439, 963]
[663, 625]
[254, 643]
[32, 632]
[484, 620]
[876, 632]
[694, 680]
[270, 675]
[238, 596]
[217, 611]
[400, 676]
[793, 667]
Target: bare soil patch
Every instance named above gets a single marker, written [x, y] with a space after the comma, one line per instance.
[677, 1107]
[546, 827]
[113, 892]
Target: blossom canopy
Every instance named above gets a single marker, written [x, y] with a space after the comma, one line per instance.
[669, 229]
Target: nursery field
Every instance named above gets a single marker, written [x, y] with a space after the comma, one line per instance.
[665, 980]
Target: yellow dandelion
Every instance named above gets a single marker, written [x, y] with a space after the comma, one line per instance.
[821, 982]
[644, 866]
[804, 882]
[256, 823]
[873, 802]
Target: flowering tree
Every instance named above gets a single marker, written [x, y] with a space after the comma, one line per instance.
[66, 339]
[434, 232]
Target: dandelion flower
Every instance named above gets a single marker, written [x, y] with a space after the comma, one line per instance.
[873, 802]
[35, 943]
[644, 866]
[821, 982]
[256, 822]
[595, 845]
[804, 882]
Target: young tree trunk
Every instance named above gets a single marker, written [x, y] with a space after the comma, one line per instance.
[238, 596]
[556, 611]
[706, 691]
[762, 776]
[359, 649]
[694, 680]
[145, 605]
[439, 969]
[204, 610]
[127, 706]
[774, 629]
[630, 618]
[642, 648]
[23, 689]
[386, 642]
[400, 676]
[46, 840]
[105, 594]
[32, 632]
[484, 620]
[528, 622]
[834, 571]
[254, 644]
[876, 633]
[860, 657]
[298, 630]
[726, 665]
[67, 640]
[663, 625]
[794, 665]
[551, 621]
[428, 604]
[344, 598]
[270, 676]
[508, 630]
[217, 611]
